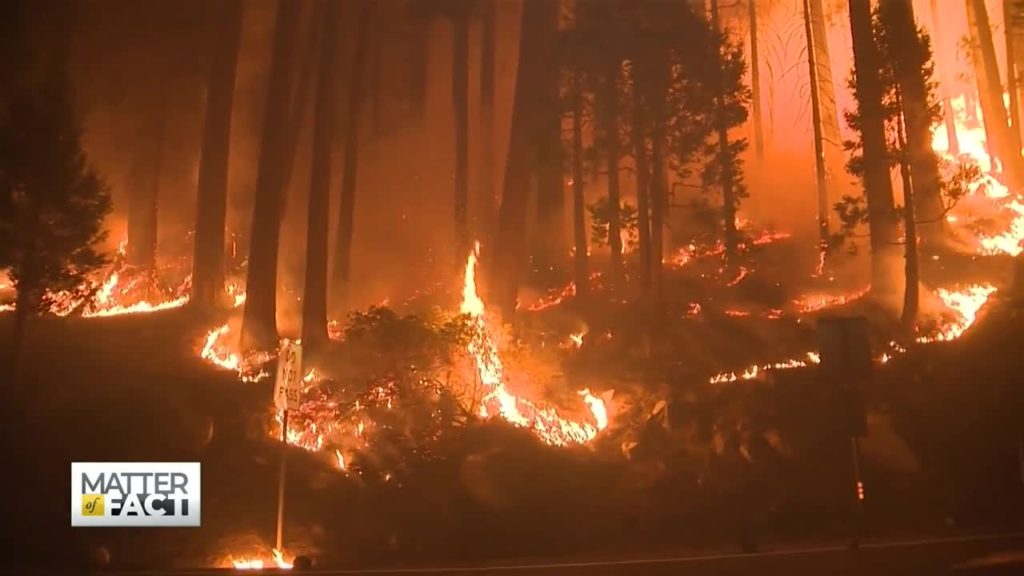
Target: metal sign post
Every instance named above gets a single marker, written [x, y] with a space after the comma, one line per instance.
[287, 388]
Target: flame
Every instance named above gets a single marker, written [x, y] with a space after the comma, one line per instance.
[965, 304]
[341, 460]
[499, 401]
[753, 371]
[276, 559]
[816, 302]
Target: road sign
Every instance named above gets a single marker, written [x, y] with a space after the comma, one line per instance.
[288, 385]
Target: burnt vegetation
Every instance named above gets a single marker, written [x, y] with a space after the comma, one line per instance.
[557, 269]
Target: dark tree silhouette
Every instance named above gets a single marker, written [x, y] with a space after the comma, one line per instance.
[346, 207]
[259, 323]
[314, 300]
[52, 202]
[873, 167]
[211, 204]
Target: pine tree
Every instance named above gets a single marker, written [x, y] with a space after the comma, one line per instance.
[52, 202]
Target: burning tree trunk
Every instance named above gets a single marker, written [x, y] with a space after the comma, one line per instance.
[578, 200]
[142, 211]
[877, 185]
[729, 200]
[259, 323]
[1002, 142]
[460, 105]
[314, 301]
[510, 245]
[550, 191]
[948, 115]
[346, 208]
[819, 147]
[643, 174]
[211, 204]
[911, 57]
[609, 107]
[487, 59]
[755, 80]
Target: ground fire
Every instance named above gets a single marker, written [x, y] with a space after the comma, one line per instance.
[431, 283]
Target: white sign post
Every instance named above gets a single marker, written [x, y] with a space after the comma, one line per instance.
[287, 388]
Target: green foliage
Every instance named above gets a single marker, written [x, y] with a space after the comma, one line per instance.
[52, 202]
[600, 214]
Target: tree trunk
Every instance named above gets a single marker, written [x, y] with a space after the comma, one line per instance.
[819, 145]
[460, 105]
[553, 242]
[24, 311]
[729, 200]
[579, 217]
[1012, 85]
[142, 211]
[911, 292]
[835, 157]
[300, 99]
[314, 299]
[659, 189]
[643, 174]
[259, 323]
[877, 185]
[948, 114]
[755, 81]
[489, 42]
[510, 245]
[986, 68]
[211, 203]
[346, 207]
[610, 112]
[910, 60]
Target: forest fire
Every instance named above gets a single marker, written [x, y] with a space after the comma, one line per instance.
[965, 304]
[275, 559]
[499, 401]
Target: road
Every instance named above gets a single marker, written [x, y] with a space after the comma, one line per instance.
[931, 557]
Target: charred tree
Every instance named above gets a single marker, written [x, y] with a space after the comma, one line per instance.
[755, 80]
[346, 207]
[868, 92]
[314, 300]
[730, 202]
[911, 56]
[948, 115]
[510, 246]
[819, 144]
[211, 202]
[460, 106]
[259, 323]
[579, 219]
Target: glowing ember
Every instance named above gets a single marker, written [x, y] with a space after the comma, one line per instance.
[499, 401]
[752, 372]
[816, 302]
